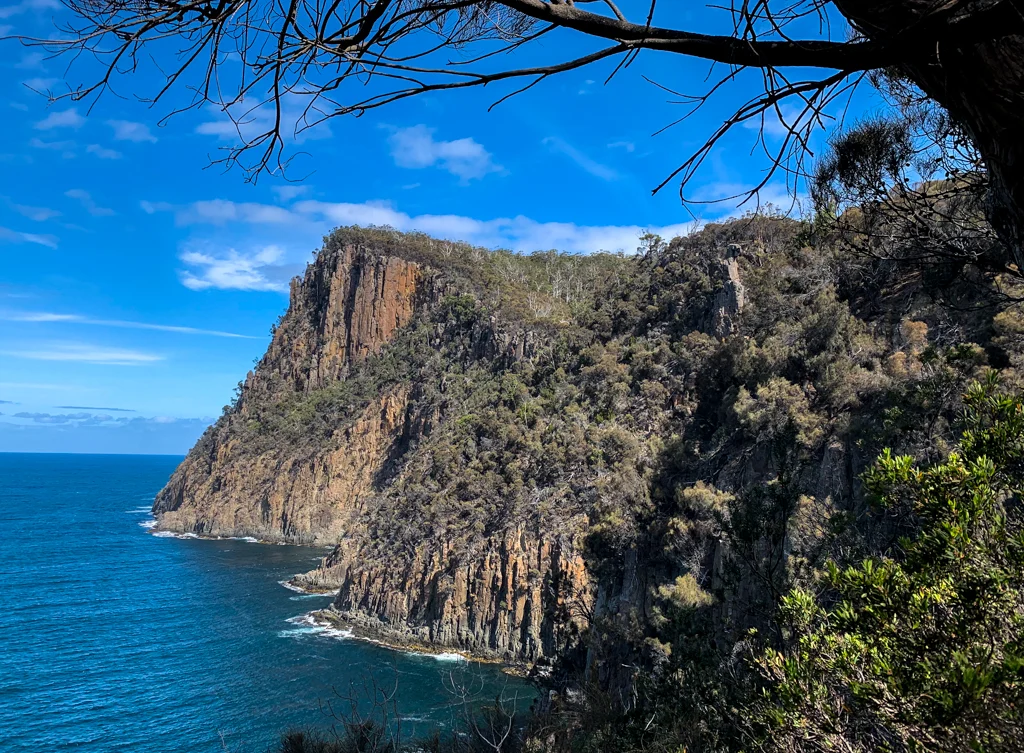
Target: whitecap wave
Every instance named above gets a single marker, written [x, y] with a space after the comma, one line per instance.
[173, 535]
[449, 656]
[309, 625]
[147, 524]
[139, 510]
[306, 593]
[249, 539]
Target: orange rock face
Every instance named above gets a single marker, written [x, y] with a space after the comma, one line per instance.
[277, 496]
[348, 306]
[519, 597]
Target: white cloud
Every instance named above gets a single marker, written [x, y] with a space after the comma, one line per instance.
[127, 130]
[219, 211]
[47, 316]
[287, 193]
[95, 354]
[152, 207]
[222, 129]
[243, 271]
[629, 146]
[30, 61]
[86, 200]
[416, 148]
[36, 214]
[518, 233]
[40, 84]
[247, 121]
[102, 152]
[261, 270]
[63, 119]
[591, 166]
[14, 236]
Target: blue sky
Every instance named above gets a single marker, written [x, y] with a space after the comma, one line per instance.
[138, 283]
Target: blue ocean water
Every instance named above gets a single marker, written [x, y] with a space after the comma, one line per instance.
[112, 639]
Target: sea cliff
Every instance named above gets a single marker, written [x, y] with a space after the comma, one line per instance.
[543, 458]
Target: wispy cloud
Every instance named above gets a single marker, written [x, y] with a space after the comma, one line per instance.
[48, 316]
[85, 199]
[591, 166]
[287, 193]
[67, 148]
[48, 418]
[261, 270]
[82, 418]
[63, 119]
[36, 214]
[90, 407]
[85, 419]
[15, 236]
[416, 148]
[128, 130]
[30, 61]
[36, 386]
[629, 146]
[247, 120]
[219, 212]
[39, 83]
[94, 354]
[102, 152]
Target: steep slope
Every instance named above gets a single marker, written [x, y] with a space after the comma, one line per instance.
[322, 428]
[349, 305]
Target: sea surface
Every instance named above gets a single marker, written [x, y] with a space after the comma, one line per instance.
[113, 639]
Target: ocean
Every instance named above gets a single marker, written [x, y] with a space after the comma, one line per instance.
[113, 639]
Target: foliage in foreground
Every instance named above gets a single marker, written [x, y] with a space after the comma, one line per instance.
[922, 648]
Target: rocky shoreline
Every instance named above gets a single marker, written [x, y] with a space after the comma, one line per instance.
[369, 628]
[358, 626]
[362, 627]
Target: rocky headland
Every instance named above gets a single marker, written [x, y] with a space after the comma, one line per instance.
[533, 458]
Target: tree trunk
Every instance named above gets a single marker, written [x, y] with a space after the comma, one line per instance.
[980, 83]
[982, 88]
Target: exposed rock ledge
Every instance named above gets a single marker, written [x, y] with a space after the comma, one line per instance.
[519, 601]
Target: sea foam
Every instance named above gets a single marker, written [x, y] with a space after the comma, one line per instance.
[309, 625]
[173, 535]
[305, 593]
